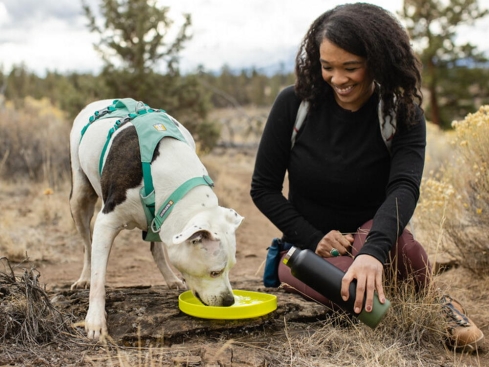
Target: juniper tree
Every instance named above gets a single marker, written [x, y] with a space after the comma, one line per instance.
[140, 46]
[453, 73]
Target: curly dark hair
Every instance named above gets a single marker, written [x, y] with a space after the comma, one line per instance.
[371, 32]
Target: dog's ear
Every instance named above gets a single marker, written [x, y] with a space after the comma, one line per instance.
[199, 228]
[195, 233]
[232, 217]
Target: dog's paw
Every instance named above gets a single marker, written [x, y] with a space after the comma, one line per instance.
[95, 324]
[177, 284]
[81, 284]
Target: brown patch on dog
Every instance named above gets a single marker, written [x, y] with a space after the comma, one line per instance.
[122, 170]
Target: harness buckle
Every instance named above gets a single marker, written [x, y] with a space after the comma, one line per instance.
[141, 106]
[208, 180]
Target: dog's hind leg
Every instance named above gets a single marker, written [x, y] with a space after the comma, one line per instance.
[160, 256]
[82, 204]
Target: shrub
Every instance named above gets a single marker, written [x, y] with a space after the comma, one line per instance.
[34, 143]
[458, 196]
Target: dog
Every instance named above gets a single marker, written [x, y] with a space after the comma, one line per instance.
[197, 237]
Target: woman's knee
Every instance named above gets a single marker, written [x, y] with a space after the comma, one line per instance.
[411, 260]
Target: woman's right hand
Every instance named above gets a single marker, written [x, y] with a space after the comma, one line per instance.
[334, 240]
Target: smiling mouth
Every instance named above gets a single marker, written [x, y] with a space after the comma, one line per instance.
[343, 91]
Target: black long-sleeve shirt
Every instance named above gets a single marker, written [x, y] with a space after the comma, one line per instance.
[340, 173]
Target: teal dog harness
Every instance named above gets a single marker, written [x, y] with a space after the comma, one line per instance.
[151, 125]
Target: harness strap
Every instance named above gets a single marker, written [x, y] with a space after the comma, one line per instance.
[148, 202]
[151, 127]
[98, 114]
[147, 180]
[111, 132]
[178, 194]
[118, 108]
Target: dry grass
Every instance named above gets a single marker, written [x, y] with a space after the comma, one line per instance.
[28, 320]
[31, 213]
[27, 316]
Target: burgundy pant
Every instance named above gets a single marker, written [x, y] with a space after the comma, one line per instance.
[407, 260]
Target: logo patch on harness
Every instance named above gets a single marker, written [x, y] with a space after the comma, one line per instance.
[159, 127]
[166, 208]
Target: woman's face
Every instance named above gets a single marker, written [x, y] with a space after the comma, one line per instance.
[347, 74]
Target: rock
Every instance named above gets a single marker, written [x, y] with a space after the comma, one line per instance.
[444, 262]
[187, 361]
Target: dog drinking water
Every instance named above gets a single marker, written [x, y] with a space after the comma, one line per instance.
[142, 164]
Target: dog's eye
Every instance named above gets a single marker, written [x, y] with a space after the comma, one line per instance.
[215, 274]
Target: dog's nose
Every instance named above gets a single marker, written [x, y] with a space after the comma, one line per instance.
[228, 300]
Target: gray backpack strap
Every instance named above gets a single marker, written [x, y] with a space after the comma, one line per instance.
[299, 120]
[388, 125]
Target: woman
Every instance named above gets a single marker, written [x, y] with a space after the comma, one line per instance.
[352, 190]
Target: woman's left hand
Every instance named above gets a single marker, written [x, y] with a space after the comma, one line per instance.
[368, 272]
[334, 241]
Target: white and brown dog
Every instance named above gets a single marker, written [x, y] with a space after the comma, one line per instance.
[198, 236]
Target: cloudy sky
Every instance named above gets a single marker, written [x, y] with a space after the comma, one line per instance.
[53, 35]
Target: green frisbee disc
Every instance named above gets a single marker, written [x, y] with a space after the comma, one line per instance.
[247, 305]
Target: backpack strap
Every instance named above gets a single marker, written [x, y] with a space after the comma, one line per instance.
[387, 123]
[299, 119]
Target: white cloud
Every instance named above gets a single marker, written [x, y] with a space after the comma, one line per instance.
[252, 32]
[53, 46]
[52, 34]
[4, 17]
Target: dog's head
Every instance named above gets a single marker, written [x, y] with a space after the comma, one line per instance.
[204, 252]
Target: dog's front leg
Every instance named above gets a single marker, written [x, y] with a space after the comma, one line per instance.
[160, 257]
[103, 237]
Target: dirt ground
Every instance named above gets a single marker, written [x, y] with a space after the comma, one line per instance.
[57, 254]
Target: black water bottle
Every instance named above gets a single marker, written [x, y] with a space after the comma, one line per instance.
[325, 278]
